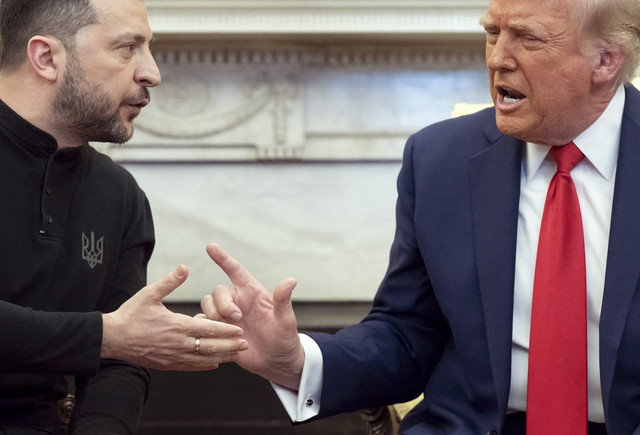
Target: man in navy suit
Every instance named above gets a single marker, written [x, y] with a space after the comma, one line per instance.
[452, 316]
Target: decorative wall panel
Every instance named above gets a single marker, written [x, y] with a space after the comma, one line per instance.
[300, 102]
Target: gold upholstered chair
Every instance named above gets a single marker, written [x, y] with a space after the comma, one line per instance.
[384, 420]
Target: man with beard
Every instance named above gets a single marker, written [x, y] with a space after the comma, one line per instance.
[76, 231]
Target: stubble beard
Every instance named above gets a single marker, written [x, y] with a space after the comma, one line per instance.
[86, 111]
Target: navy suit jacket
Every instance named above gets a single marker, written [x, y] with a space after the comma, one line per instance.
[442, 318]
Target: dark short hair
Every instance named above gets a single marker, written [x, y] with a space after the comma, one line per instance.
[20, 20]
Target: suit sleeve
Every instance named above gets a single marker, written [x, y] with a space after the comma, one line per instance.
[389, 356]
[112, 401]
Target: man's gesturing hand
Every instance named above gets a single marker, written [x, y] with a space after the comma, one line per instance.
[145, 333]
[268, 321]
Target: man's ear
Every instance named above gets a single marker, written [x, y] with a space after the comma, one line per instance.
[608, 66]
[46, 55]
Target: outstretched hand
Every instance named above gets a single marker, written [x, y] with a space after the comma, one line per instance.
[268, 321]
[145, 333]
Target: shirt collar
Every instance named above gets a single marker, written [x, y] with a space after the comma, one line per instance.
[37, 141]
[599, 143]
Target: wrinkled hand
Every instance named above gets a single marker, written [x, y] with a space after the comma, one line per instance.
[268, 321]
[145, 333]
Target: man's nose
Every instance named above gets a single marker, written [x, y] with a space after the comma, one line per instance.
[499, 55]
[147, 73]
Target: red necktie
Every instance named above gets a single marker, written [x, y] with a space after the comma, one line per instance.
[557, 385]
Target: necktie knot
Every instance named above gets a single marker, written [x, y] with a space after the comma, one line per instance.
[566, 156]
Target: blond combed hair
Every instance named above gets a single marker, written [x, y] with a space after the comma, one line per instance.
[611, 25]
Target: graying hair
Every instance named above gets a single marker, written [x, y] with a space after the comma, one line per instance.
[21, 20]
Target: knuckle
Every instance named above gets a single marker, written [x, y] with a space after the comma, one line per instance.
[214, 329]
[212, 349]
[167, 280]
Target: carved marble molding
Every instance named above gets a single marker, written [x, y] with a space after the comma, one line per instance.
[394, 54]
[320, 80]
[321, 17]
[243, 101]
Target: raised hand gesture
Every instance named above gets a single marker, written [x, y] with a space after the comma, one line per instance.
[145, 333]
[268, 321]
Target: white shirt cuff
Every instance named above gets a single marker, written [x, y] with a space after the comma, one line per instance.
[304, 404]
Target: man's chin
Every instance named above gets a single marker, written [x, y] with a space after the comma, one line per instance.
[125, 130]
[124, 139]
[121, 136]
[512, 127]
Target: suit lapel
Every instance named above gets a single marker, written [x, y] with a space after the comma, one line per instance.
[623, 258]
[495, 190]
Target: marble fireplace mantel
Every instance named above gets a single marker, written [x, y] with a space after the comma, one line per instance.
[319, 17]
[311, 80]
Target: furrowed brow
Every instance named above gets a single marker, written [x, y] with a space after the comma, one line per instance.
[487, 22]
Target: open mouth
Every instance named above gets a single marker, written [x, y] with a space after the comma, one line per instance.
[510, 96]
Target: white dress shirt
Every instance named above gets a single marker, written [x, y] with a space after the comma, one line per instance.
[304, 404]
[594, 179]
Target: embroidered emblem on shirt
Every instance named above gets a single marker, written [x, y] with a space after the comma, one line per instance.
[92, 250]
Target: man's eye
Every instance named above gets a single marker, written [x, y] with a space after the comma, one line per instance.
[530, 38]
[492, 36]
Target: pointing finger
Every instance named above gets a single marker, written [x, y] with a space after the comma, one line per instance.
[238, 275]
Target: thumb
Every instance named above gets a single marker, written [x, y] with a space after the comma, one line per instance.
[168, 283]
[282, 296]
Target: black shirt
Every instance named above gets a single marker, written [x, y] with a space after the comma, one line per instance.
[76, 234]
